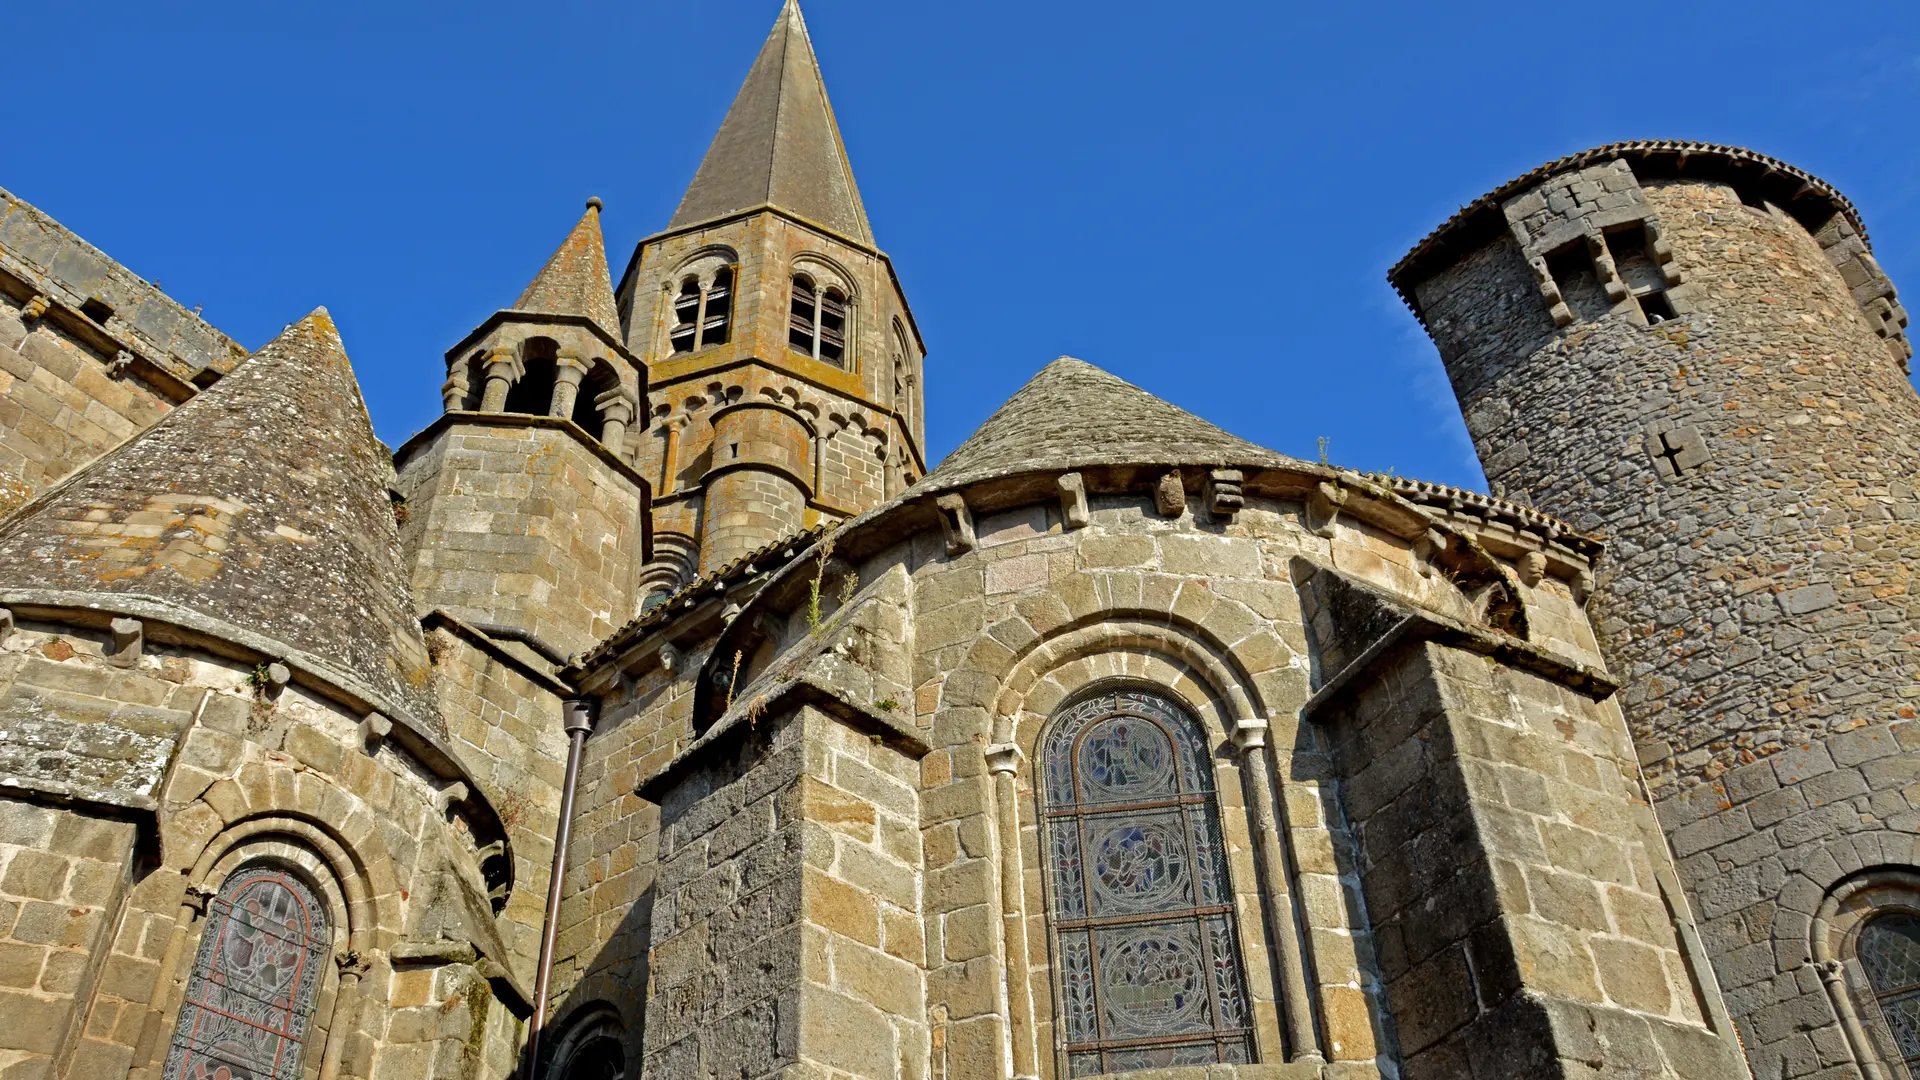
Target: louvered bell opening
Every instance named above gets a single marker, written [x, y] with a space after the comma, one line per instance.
[686, 312]
[800, 322]
[833, 328]
[719, 310]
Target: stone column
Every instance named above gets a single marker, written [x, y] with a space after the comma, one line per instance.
[1250, 738]
[503, 370]
[345, 1012]
[1003, 761]
[670, 442]
[616, 412]
[567, 373]
[153, 1045]
[453, 392]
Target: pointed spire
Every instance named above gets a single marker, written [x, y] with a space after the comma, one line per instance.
[261, 503]
[575, 281]
[779, 144]
[1072, 414]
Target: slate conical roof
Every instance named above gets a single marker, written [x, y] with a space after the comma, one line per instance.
[261, 504]
[779, 144]
[575, 281]
[1073, 414]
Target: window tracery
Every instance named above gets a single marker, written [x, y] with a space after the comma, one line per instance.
[249, 1002]
[1146, 954]
[1889, 952]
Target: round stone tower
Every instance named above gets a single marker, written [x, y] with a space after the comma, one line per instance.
[756, 486]
[1689, 351]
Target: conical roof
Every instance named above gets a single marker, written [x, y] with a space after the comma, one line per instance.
[261, 504]
[1073, 414]
[779, 144]
[575, 281]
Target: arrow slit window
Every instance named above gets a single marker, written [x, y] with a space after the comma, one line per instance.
[1146, 960]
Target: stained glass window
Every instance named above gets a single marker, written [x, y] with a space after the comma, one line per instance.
[1890, 952]
[1145, 949]
[250, 998]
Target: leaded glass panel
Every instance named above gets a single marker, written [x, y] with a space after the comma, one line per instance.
[1146, 955]
[1889, 950]
[249, 1001]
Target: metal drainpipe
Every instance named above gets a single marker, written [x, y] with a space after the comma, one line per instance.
[577, 721]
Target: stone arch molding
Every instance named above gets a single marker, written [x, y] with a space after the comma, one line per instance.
[265, 800]
[702, 264]
[1191, 666]
[1175, 657]
[1832, 935]
[826, 272]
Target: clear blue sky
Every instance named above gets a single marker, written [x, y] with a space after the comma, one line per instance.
[1200, 197]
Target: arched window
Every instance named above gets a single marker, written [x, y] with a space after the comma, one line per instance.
[902, 376]
[817, 322]
[1146, 957]
[1889, 951]
[599, 379]
[249, 1001]
[702, 314]
[533, 393]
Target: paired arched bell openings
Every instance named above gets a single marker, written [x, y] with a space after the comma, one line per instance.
[271, 962]
[1143, 927]
[1866, 946]
[820, 324]
[700, 307]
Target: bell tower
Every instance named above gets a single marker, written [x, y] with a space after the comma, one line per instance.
[523, 513]
[784, 361]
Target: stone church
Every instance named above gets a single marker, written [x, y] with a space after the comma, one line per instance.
[662, 711]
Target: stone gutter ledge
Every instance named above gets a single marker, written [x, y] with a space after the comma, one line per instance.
[806, 689]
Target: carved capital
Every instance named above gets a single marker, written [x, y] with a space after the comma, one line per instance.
[1004, 758]
[1249, 735]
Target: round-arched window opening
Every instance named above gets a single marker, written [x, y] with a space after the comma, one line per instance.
[599, 1057]
[1889, 952]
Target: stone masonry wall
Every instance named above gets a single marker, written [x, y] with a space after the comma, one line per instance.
[521, 525]
[786, 922]
[60, 405]
[506, 729]
[1511, 870]
[103, 905]
[62, 874]
[1760, 601]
